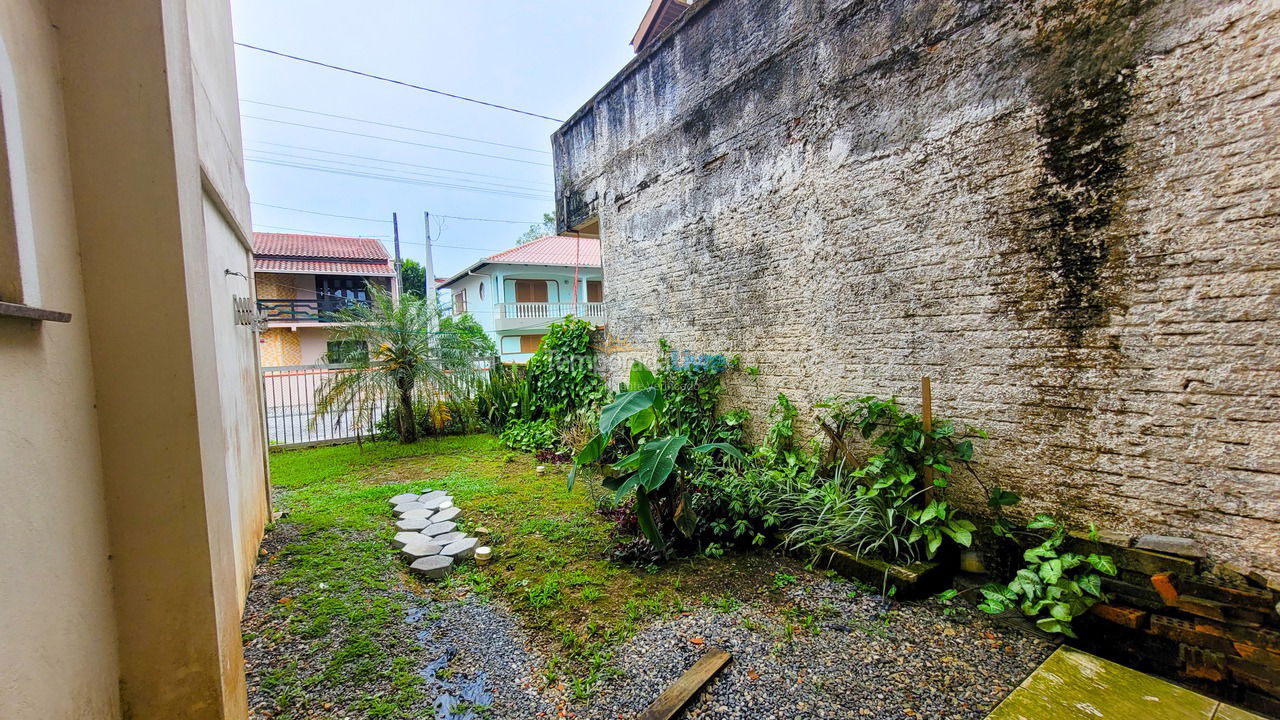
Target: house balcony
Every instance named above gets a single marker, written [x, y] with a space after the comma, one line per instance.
[304, 312]
[539, 315]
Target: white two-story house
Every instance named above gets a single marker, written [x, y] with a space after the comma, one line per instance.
[517, 294]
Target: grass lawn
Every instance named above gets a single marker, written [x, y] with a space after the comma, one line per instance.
[325, 623]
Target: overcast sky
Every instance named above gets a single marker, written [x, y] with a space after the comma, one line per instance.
[547, 57]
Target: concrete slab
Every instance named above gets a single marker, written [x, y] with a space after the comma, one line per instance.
[461, 549]
[1075, 684]
[419, 513]
[432, 495]
[404, 538]
[414, 525]
[449, 537]
[435, 503]
[447, 514]
[402, 498]
[403, 508]
[434, 529]
[432, 566]
[419, 549]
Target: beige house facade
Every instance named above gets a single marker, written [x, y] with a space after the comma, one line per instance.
[134, 476]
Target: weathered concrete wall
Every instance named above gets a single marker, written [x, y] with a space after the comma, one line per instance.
[1066, 213]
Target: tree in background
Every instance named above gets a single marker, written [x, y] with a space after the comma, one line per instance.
[546, 227]
[413, 279]
[463, 340]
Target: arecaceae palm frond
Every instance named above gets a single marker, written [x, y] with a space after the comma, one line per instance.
[403, 366]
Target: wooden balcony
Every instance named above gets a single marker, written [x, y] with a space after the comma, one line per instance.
[516, 315]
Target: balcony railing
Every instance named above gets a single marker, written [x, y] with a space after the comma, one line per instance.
[315, 310]
[549, 311]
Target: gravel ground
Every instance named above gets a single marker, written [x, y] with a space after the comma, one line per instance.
[857, 661]
[815, 649]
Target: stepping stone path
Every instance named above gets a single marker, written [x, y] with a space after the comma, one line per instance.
[428, 538]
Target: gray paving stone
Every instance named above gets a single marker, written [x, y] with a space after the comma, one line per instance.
[449, 537]
[432, 566]
[404, 538]
[435, 503]
[428, 496]
[434, 529]
[461, 549]
[402, 498]
[418, 513]
[414, 525]
[403, 508]
[420, 548]
[446, 515]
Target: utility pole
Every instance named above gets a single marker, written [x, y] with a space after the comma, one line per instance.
[428, 268]
[395, 231]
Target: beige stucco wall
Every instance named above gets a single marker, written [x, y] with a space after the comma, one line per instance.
[135, 478]
[57, 624]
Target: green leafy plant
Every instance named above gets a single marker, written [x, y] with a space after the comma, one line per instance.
[529, 435]
[504, 396]
[562, 372]
[1056, 586]
[653, 458]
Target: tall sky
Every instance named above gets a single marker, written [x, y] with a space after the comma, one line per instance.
[547, 57]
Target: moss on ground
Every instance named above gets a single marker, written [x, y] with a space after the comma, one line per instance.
[338, 593]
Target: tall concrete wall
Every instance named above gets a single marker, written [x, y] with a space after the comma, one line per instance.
[1066, 213]
[131, 439]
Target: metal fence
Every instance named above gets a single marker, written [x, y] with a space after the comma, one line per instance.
[292, 419]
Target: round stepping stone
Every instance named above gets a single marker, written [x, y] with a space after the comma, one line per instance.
[461, 549]
[423, 547]
[415, 525]
[402, 498]
[436, 503]
[446, 515]
[432, 495]
[448, 537]
[404, 538]
[432, 566]
[403, 508]
[419, 513]
[434, 529]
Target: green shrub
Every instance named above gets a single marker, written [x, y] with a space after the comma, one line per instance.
[562, 372]
[504, 396]
[529, 435]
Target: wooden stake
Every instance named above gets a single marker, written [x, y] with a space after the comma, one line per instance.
[679, 692]
[926, 414]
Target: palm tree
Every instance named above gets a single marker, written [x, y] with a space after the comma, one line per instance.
[402, 363]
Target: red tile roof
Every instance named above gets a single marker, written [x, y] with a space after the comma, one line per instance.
[283, 252]
[552, 250]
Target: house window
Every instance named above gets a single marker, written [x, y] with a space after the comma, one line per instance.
[521, 344]
[531, 291]
[345, 351]
[595, 291]
[459, 302]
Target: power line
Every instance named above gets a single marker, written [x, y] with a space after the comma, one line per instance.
[394, 162]
[314, 212]
[409, 172]
[397, 82]
[351, 217]
[398, 179]
[398, 127]
[323, 234]
[394, 140]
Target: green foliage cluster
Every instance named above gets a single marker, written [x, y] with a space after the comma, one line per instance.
[562, 372]
[463, 340]
[1056, 586]
[529, 435]
[641, 447]
[504, 397]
